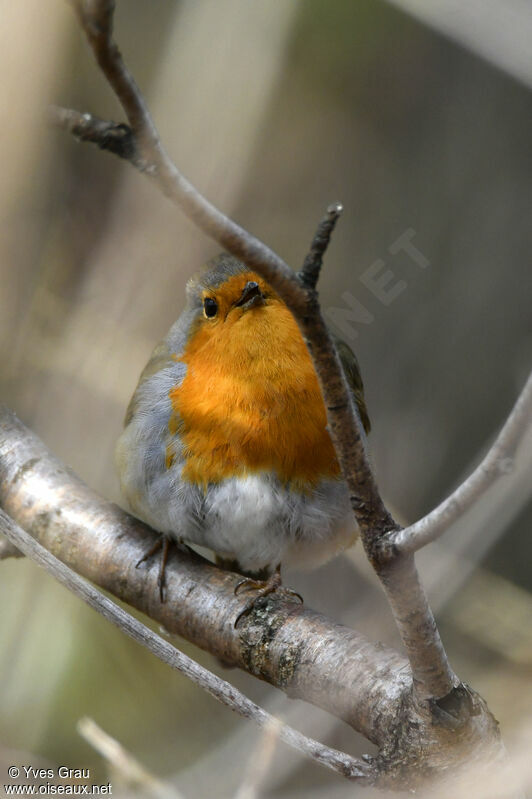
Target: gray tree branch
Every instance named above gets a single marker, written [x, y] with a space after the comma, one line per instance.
[220, 689]
[309, 657]
[497, 464]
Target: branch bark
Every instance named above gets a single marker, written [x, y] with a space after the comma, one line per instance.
[220, 689]
[309, 657]
[283, 643]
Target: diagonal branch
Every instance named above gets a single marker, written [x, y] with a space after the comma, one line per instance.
[433, 675]
[225, 693]
[497, 463]
[96, 19]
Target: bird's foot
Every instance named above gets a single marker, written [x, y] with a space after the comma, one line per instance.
[273, 584]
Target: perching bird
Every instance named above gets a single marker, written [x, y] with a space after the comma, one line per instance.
[225, 442]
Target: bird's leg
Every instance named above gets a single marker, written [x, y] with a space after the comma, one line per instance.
[164, 543]
[262, 588]
[161, 581]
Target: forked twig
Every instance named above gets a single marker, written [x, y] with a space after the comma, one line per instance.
[497, 463]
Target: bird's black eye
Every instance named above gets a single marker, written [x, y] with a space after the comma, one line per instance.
[210, 307]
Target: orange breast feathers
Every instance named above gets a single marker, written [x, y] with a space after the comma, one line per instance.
[250, 401]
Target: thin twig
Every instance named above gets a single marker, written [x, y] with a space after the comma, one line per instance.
[124, 764]
[310, 271]
[432, 672]
[96, 19]
[115, 137]
[220, 689]
[496, 464]
[259, 762]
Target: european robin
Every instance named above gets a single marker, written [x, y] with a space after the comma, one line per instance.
[225, 442]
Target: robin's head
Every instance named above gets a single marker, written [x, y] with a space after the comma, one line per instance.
[226, 291]
[238, 314]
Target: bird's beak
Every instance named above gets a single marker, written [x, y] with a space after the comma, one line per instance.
[251, 296]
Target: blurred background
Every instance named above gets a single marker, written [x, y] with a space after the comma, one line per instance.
[419, 120]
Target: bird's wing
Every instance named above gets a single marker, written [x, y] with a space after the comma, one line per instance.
[354, 378]
[159, 358]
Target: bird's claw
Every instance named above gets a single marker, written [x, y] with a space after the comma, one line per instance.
[293, 594]
[161, 582]
[248, 584]
[147, 555]
[262, 588]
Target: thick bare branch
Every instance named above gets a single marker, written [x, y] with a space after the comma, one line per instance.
[432, 672]
[292, 647]
[282, 642]
[220, 689]
[497, 463]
